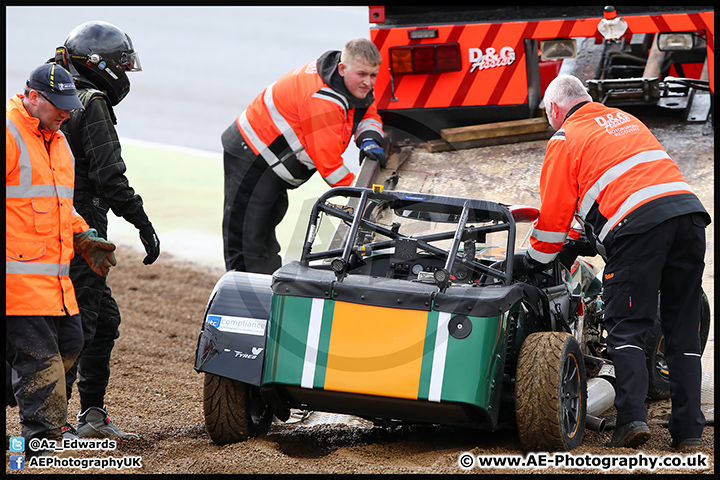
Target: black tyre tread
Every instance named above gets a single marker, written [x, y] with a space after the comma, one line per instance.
[658, 386]
[224, 405]
[704, 322]
[537, 392]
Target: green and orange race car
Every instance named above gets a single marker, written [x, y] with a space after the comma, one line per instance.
[414, 310]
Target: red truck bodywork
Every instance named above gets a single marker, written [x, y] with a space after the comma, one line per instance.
[500, 76]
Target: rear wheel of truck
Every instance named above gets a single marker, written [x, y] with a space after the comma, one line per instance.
[234, 411]
[658, 372]
[550, 392]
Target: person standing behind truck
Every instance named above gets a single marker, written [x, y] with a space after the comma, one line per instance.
[301, 123]
[43, 232]
[99, 54]
[606, 167]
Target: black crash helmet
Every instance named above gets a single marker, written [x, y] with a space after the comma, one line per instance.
[102, 53]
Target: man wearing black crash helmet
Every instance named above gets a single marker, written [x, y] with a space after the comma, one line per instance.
[98, 54]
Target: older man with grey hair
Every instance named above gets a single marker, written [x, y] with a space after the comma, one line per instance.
[605, 168]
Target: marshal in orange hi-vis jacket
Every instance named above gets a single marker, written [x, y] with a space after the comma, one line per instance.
[299, 124]
[41, 220]
[605, 167]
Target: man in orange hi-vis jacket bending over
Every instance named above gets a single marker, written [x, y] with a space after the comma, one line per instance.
[605, 168]
[301, 123]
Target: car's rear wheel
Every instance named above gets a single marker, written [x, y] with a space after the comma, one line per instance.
[234, 411]
[550, 392]
[658, 372]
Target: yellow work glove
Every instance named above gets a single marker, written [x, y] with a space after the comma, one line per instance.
[97, 252]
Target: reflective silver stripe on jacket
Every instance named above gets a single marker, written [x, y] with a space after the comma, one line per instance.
[37, 268]
[548, 236]
[272, 160]
[541, 256]
[369, 124]
[615, 172]
[327, 93]
[337, 175]
[26, 189]
[15, 191]
[559, 135]
[23, 163]
[638, 197]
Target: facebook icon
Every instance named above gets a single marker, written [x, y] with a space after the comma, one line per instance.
[17, 462]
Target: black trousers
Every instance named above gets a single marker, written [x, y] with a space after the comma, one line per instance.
[40, 351]
[669, 258]
[256, 201]
[100, 321]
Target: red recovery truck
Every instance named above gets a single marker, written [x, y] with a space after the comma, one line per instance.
[447, 67]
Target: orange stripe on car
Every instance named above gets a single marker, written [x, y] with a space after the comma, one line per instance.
[375, 350]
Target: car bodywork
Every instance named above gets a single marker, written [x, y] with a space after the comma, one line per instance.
[415, 316]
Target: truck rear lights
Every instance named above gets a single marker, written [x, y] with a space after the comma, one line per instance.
[558, 49]
[444, 57]
[676, 41]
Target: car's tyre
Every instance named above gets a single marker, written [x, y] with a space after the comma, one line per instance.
[550, 392]
[658, 380]
[234, 411]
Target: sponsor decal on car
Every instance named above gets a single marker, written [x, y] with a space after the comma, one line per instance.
[249, 356]
[244, 325]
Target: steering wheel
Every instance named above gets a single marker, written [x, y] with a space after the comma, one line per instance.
[487, 279]
[534, 279]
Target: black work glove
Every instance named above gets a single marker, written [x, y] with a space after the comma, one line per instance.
[148, 237]
[151, 243]
[573, 249]
[580, 248]
[369, 148]
[529, 265]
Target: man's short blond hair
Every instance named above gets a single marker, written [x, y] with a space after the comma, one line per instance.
[361, 50]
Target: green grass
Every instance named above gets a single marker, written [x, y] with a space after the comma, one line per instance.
[180, 190]
[183, 195]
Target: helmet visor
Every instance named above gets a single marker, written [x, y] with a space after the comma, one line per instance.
[131, 62]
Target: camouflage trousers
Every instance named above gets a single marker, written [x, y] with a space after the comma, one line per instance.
[40, 350]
